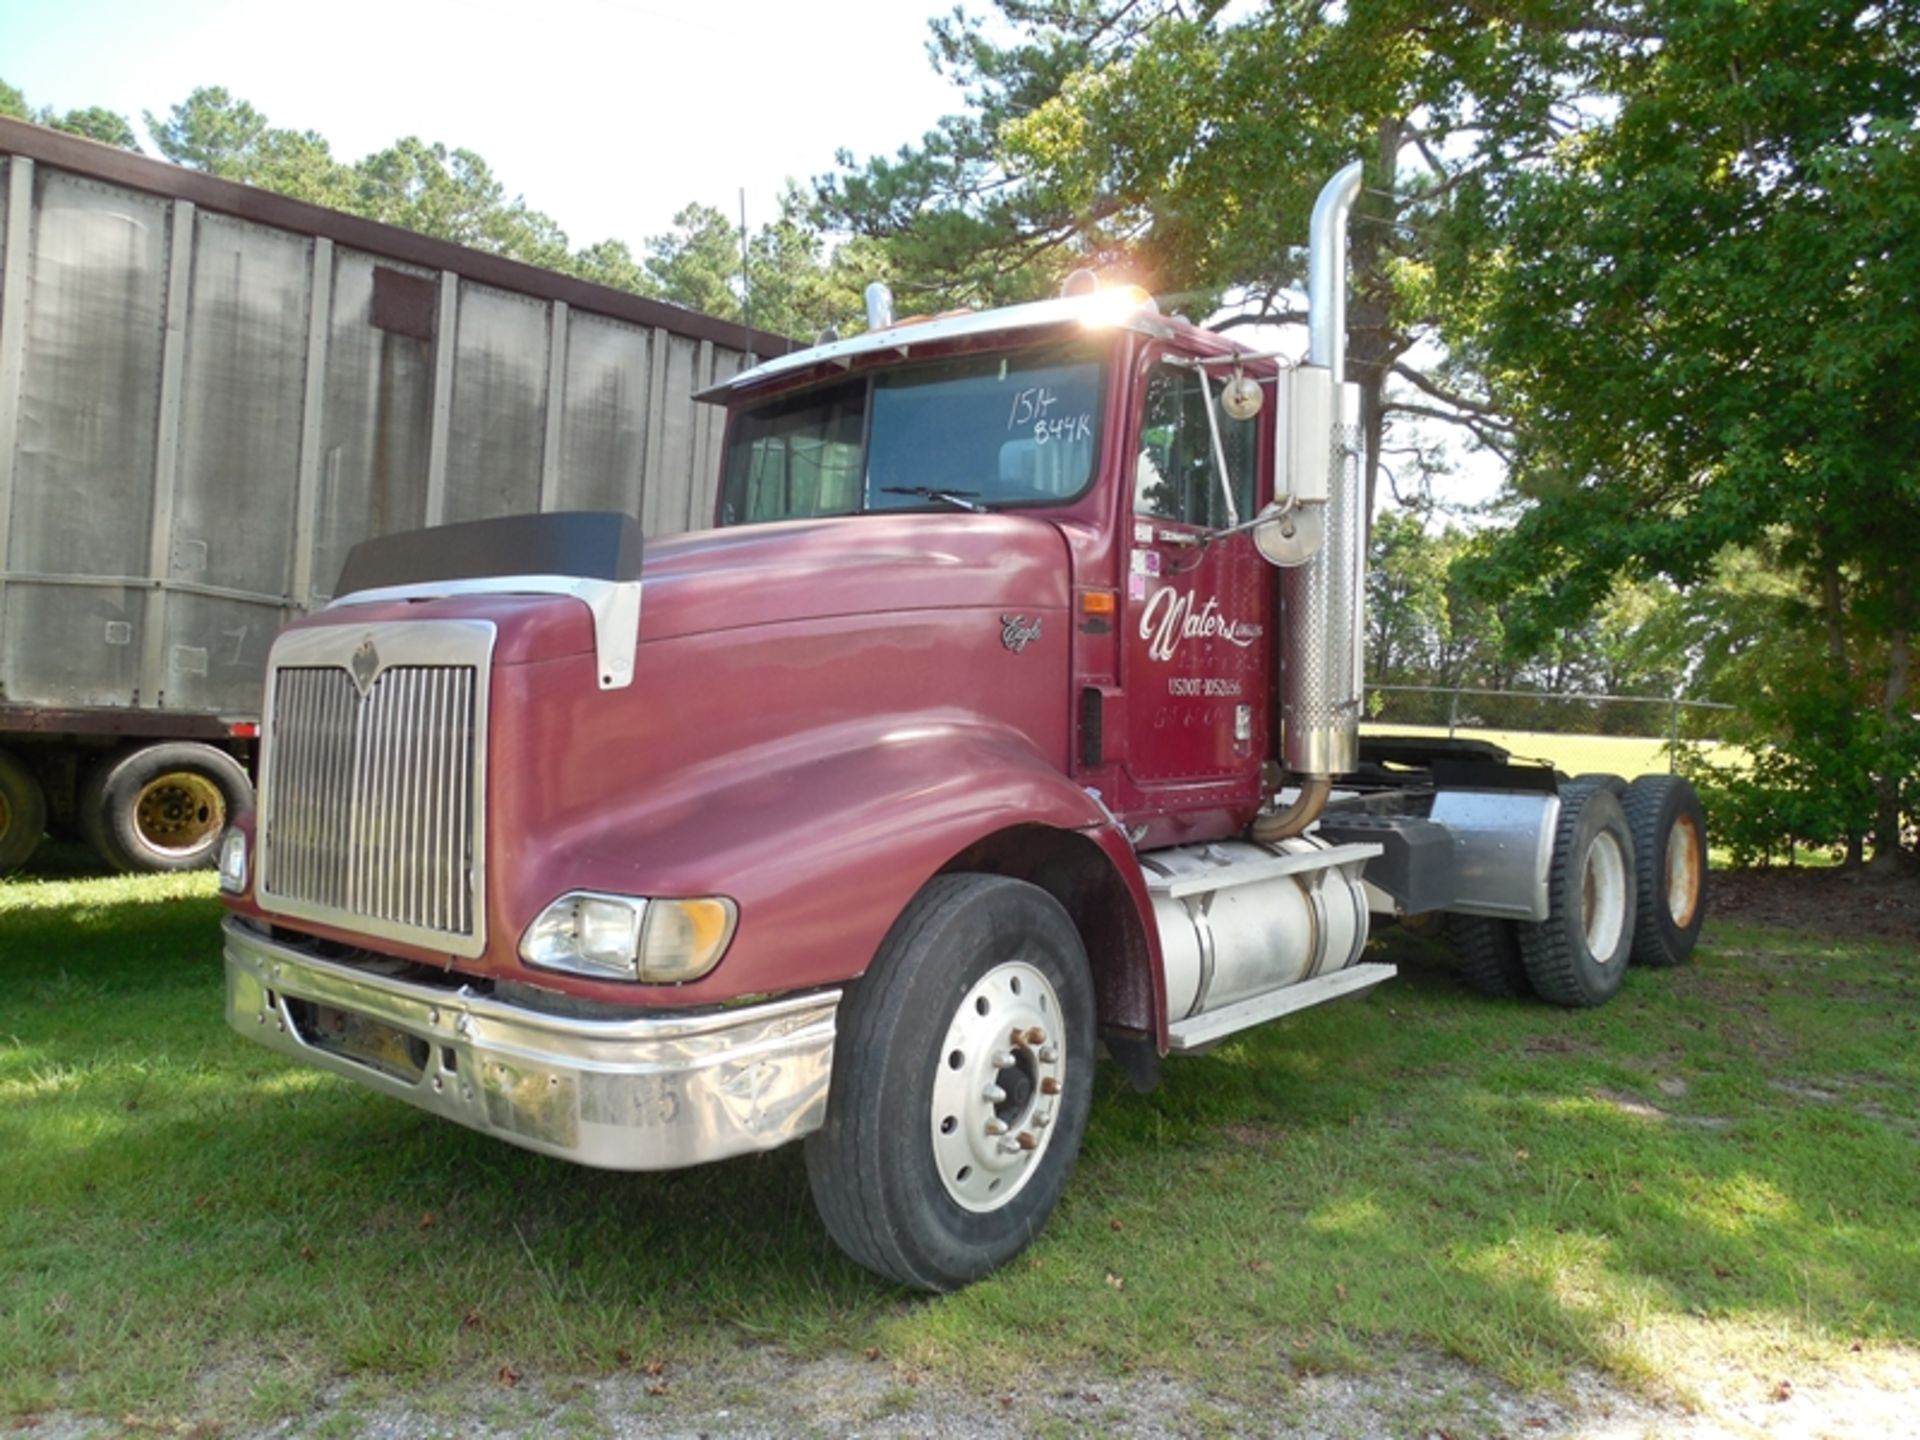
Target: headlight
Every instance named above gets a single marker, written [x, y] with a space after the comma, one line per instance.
[233, 862]
[621, 937]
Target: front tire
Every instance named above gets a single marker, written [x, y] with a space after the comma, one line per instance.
[962, 1078]
[1577, 956]
[163, 807]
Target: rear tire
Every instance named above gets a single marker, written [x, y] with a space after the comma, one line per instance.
[920, 1173]
[1670, 852]
[1577, 956]
[23, 812]
[1487, 954]
[163, 807]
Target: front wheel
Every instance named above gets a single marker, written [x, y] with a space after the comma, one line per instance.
[962, 1077]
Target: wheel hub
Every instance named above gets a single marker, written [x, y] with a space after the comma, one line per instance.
[179, 813]
[1683, 870]
[1603, 897]
[997, 1087]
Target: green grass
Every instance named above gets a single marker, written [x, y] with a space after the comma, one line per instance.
[1714, 1176]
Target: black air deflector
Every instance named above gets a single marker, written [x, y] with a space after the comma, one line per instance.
[579, 544]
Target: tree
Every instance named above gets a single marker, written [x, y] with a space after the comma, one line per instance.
[93, 122]
[1185, 148]
[454, 194]
[697, 263]
[210, 130]
[796, 286]
[96, 123]
[1703, 318]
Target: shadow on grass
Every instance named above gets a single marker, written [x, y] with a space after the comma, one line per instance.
[1714, 1170]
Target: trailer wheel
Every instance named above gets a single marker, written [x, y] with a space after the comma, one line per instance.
[1487, 953]
[1670, 848]
[1577, 956]
[163, 807]
[23, 812]
[962, 1077]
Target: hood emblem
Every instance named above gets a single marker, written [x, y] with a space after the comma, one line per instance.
[364, 666]
[1017, 632]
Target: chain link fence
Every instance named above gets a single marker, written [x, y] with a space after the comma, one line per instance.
[1612, 734]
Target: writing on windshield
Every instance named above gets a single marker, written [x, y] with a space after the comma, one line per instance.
[974, 433]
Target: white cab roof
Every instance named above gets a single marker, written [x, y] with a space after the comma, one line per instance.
[1109, 309]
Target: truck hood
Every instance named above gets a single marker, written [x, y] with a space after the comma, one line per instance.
[851, 565]
[716, 580]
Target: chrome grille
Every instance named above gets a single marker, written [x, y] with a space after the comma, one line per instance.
[368, 805]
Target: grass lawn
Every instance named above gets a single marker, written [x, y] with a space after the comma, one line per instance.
[1711, 1181]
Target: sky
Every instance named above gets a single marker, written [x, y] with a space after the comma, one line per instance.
[609, 115]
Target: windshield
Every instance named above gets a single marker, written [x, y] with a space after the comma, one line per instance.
[974, 433]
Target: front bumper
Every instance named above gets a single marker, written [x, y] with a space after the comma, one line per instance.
[654, 1093]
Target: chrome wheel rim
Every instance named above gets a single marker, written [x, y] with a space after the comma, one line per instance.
[997, 1086]
[1603, 897]
[1684, 865]
[179, 813]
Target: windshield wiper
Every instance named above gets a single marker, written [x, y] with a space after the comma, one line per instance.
[959, 499]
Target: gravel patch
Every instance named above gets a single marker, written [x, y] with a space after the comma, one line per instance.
[762, 1395]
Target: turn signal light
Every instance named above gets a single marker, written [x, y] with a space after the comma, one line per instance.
[627, 937]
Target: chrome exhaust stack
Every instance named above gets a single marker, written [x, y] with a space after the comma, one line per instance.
[1323, 600]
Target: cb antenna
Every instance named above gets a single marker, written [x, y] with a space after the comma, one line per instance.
[746, 273]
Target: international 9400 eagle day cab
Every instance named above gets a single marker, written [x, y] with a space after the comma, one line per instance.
[1010, 708]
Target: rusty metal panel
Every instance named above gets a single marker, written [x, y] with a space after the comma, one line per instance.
[374, 428]
[499, 418]
[84, 441]
[668, 502]
[90, 385]
[403, 303]
[603, 426]
[216, 652]
[241, 408]
[74, 644]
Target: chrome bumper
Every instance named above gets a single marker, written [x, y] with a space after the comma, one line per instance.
[655, 1093]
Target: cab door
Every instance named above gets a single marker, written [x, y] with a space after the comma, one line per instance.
[1199, 611]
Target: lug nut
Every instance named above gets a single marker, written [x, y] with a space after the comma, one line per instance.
[1036, 1036]
[1048, 1054]
[1002, 1059]
[996, 1126]
[1007, 1147]
[1049, 1085]
[993, 1094]
[1025, 1139]
[1041, 1121]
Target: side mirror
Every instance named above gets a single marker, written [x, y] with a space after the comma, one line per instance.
[1289, 535]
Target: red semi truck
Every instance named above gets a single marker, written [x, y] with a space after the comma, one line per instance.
[1009, 710]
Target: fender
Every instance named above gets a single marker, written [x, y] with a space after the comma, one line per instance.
[820, 838]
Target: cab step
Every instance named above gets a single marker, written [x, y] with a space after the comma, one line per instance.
[1212, 1026]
